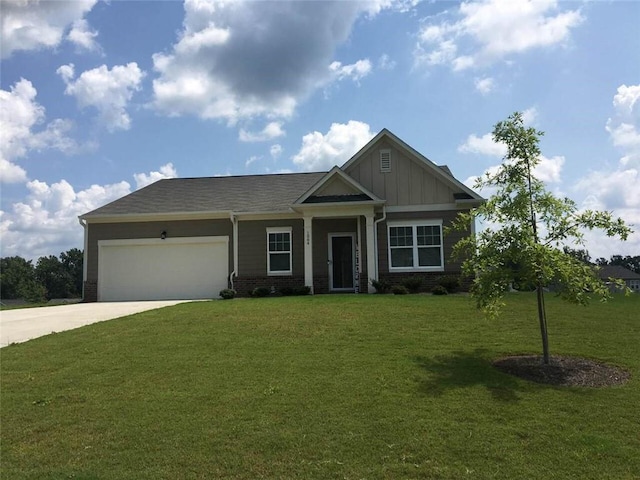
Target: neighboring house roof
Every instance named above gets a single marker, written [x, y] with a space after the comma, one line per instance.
[248, 193]
[617, 271]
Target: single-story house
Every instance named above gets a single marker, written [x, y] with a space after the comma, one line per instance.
[380, 216]
[632, 279]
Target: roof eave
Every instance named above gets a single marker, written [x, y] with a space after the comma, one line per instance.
[158, 216]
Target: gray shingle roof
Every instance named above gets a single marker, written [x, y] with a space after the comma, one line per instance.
[250, 193]
[617, 271]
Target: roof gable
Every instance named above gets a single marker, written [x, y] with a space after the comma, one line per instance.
[411, 179]
[336, 186]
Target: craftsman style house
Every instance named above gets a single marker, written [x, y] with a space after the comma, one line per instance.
[381, 216]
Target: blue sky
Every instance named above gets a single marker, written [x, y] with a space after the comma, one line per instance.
[101, 98]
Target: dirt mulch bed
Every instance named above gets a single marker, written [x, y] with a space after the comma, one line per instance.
[563, 371]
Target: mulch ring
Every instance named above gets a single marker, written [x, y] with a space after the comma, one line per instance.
[563, 371]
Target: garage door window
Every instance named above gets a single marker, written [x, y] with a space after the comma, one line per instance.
[279, 251]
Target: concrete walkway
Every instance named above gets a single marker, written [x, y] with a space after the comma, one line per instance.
[23, 324]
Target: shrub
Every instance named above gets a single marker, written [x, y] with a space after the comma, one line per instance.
[451, 283]
[288, 291]
[439, 290]
[261, 292]
[413, 284]
[399, 290]
[381, 286]
[227, 294]
[305, 290]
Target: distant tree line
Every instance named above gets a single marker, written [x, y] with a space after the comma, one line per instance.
[628, 262]
[51, 277]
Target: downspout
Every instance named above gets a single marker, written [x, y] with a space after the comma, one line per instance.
[234, 222]
[375, 237]
[84, 254]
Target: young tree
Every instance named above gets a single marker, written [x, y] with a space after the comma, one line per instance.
[525, 228]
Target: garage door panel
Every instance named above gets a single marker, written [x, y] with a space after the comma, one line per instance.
[151, 269]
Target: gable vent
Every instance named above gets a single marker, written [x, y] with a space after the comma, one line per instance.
[385, 160]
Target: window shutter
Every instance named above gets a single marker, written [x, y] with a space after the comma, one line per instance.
[385, 160]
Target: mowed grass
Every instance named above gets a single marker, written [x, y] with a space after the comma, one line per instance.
[348, 387]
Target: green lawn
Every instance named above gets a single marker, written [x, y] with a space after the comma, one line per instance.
[345, 387]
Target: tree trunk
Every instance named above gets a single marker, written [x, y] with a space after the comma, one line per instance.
[542, 317]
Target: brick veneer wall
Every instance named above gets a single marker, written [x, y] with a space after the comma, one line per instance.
[90, 291]
[246, 284]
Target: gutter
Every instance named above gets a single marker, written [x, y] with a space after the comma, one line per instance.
[234, 273]
[85, 226]
[375, 237]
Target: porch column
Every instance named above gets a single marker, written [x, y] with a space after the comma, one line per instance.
[308, 252]
[371, 253]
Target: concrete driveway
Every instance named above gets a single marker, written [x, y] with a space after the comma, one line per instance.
[23, 324]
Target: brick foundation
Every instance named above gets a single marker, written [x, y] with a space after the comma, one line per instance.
[429, 279]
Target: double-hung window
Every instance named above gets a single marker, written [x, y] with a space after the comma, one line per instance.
[415, 246]
[279, 251]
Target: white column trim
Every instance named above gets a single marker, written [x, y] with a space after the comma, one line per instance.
[371, 253]
[308, 252]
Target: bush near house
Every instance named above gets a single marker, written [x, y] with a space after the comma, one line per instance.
[381, 286]
[227, 294]
[412, 284]
[451, 283]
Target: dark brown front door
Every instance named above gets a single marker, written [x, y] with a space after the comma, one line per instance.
[341, 261]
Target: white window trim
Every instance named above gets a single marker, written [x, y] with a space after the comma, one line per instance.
[280, 273]
[414, 224]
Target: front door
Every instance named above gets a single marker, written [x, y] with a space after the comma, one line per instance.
[341, 261]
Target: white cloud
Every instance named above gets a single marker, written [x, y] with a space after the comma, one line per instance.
[341, 142]
[385, 62]
[626, 98]
[34, 24]
[488, 31]
[23, 129]
[165, 171]
[252, 158]
[549, 169]
[239, 60]
[275, 151]
[484, 85]
[483, 146]
[46, 222]
[355, 71]
[269, 132]
[617, 190]
[82, 36]
[108, 91]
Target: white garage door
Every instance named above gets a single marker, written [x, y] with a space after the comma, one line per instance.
[155, 269]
